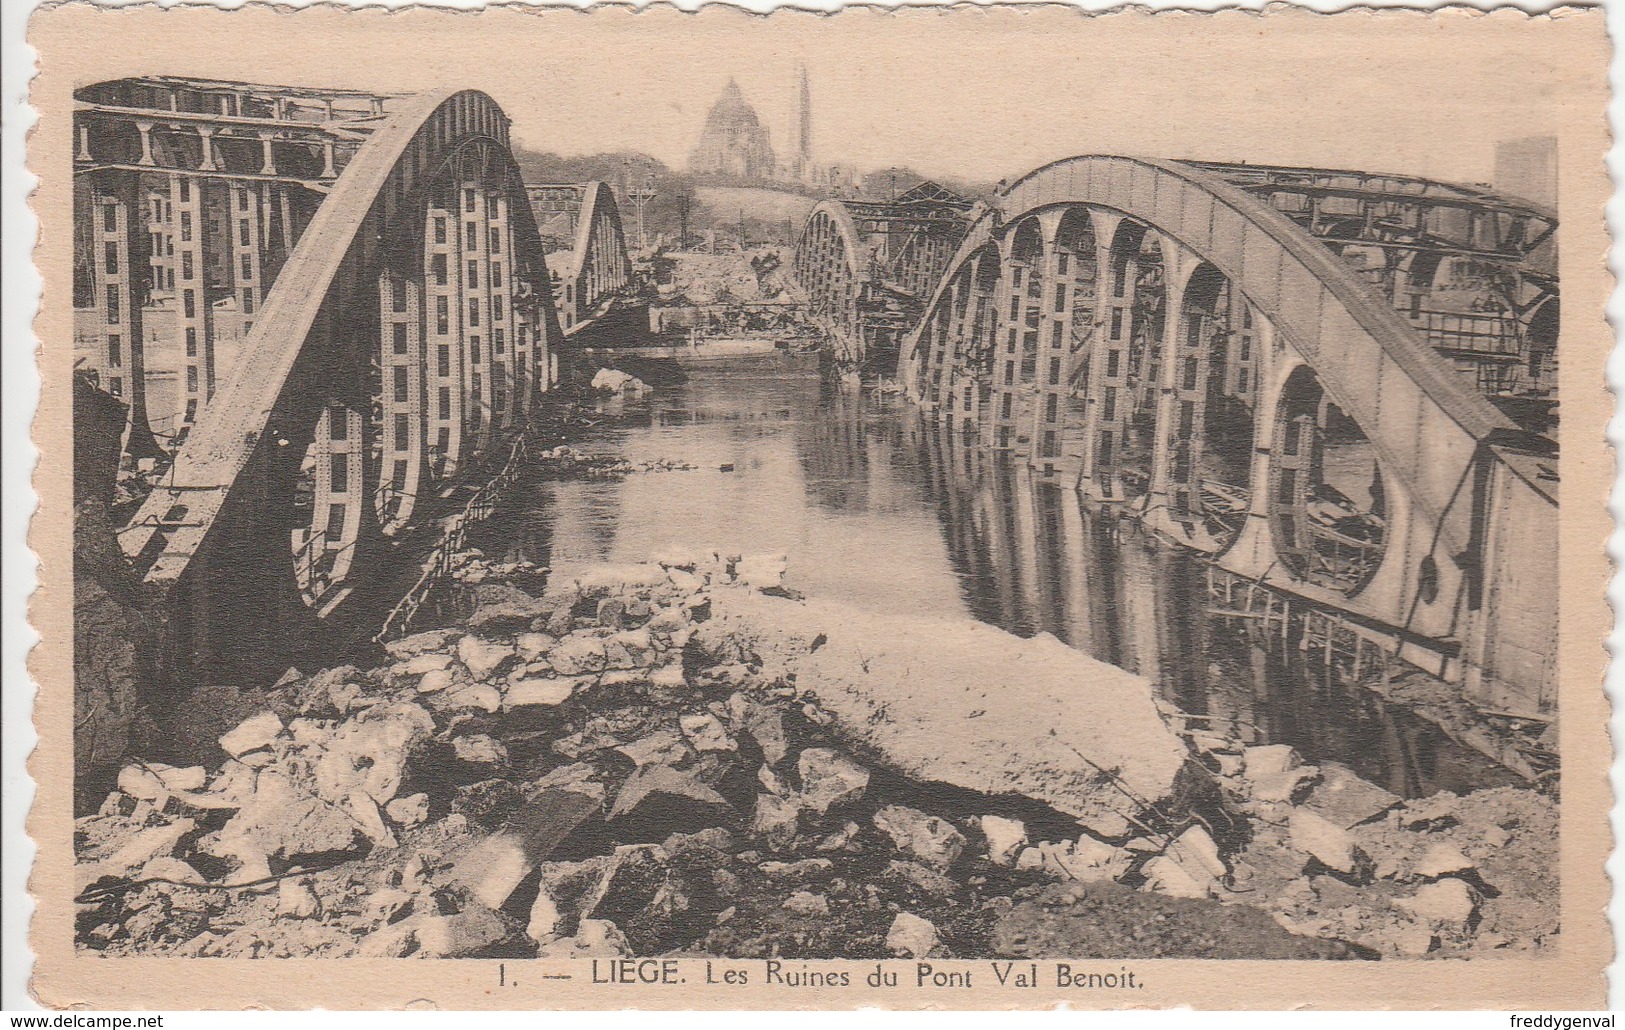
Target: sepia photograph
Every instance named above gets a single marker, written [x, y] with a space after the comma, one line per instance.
[955, 491]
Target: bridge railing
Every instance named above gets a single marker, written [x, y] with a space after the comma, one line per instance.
[443, 559]
[1489, 334]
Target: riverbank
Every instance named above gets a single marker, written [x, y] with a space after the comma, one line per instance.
[681, 756]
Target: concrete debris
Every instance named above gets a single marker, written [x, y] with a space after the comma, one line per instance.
[776, 820]
[926, 837]
[538, 692]
[1344, 799]
[1322, 839]
[465, 933]
[419, 664]
[615, 381]
[995, 695]
[1165, 875]
[1268, 760]
[296, 900]
[1004, 838]
[1442, 860]
[912, 936]
[788, 759]
[252, 734]
[704, 731]
[408, 811]
[661, 782]
[830, 780]
[155, 781]
[490, 869]
[806, 903]
[480, 749]
[436, 680]
[1446, 903]
[480, 656]
[1286, 786]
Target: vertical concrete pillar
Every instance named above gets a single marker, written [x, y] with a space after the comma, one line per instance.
[405, 427]
[1011, 319]
[145, 129]
[939, 331]
[443, 330]
[958, 380]
[194, 315]
[323, 560]
[120, 353]
[247, 252]
[205, 134]
[499, 244]
[1107, 405]
[1178, 264]
[1051, 378]
[267, 155]
[474, 310]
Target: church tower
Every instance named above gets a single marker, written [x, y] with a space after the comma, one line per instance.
[803, 149]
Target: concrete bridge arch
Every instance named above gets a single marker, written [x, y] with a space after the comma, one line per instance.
[402, 342]
[1159, 227]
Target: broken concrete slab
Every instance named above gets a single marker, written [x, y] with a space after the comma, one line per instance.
[1448, 903]
[806, 903]
[956, 701]
[1269, 760]
[1344, 799]
[775, 819]
[702, 806]
[490, 869]
[1316, 836]
[152, 781]
[1442, 859]
[927, 837]
[539, 692]
[1004, 838]
[829, 779]
[762, 723]
[407, 812]
[464, 933]
[369, 753]
[704, 731]
[911, 935]
[482, 657]
[296, 900]
[252, 734]
[417, 643]
[577, 654]
[1165, 875]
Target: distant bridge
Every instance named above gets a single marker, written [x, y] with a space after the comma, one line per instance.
[866, 268]
[587, 257]
[374, 265]
[1262, 363]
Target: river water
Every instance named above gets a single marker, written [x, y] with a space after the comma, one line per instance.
[881, 510]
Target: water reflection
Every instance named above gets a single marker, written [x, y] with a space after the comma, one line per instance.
[883, 511]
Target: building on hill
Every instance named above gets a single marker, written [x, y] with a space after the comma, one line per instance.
[734, 143]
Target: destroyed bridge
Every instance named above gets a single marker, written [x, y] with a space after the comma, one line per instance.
[1338, 385]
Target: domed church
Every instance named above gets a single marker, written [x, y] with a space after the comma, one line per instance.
[735, 143]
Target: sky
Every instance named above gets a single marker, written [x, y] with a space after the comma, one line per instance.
[973, 93]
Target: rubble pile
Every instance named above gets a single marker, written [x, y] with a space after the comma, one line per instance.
[565, 462]
[684, 757]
